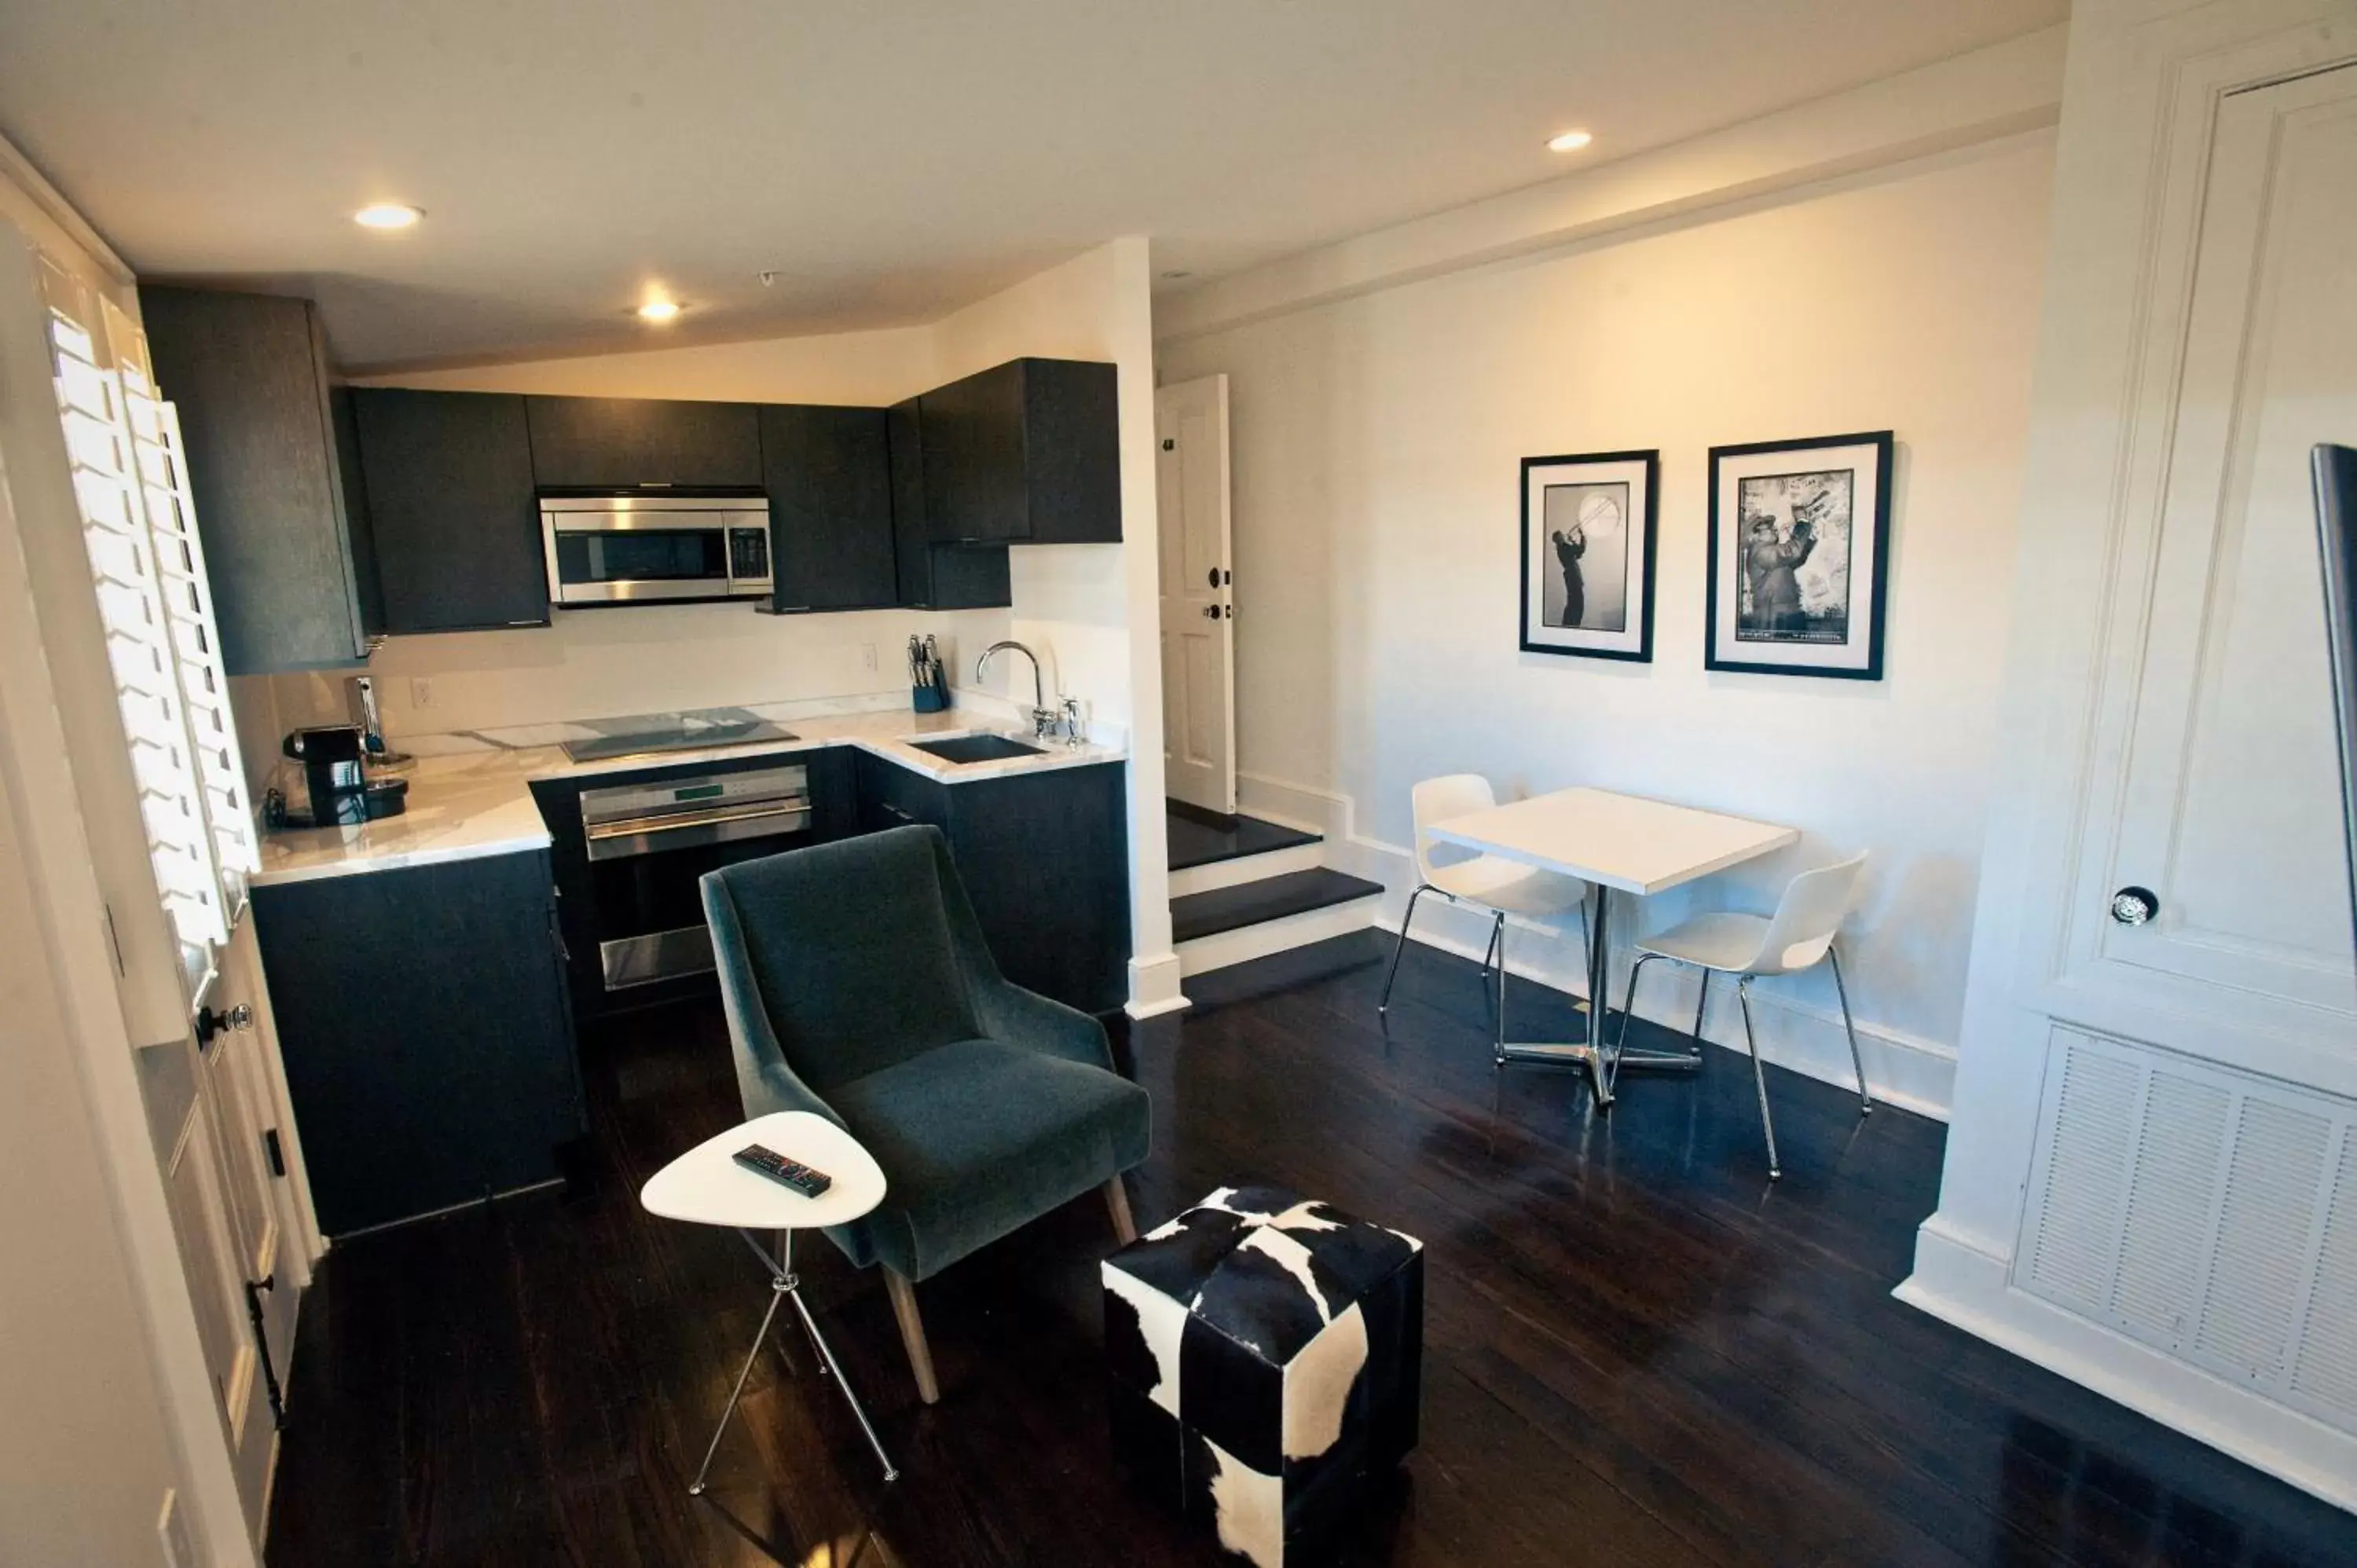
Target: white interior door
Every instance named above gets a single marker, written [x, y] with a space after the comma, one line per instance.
[1199, 687]
[2229, 808]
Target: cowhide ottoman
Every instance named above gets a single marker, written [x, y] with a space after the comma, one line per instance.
[1266, 1356]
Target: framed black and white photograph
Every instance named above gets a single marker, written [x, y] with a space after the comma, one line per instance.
[1800, 539]
[1588, 554]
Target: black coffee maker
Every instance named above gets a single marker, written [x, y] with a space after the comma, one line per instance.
[332, 775]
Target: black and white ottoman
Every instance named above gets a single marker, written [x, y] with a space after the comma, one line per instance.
[1266, 1356]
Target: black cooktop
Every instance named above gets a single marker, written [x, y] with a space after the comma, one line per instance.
[653, 733]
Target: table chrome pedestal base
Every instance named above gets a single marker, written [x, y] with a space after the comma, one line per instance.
[784, 1285]
[1602, 1067]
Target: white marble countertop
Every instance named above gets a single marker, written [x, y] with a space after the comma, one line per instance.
[478, 801]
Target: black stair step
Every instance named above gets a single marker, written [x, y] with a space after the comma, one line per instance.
[1195, 841]
[1270, 898]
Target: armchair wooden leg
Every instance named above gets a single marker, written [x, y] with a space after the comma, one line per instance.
[1118, 1199]
[912, 1336]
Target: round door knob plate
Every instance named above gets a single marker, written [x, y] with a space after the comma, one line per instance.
[2134, 906]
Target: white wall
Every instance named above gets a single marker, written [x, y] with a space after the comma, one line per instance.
[1376, 443]
[1092, 611]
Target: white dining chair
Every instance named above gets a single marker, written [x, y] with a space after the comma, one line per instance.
[1486, 881]
[1798, 936]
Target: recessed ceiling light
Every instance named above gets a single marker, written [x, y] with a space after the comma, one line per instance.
[1569, 142]
[387, 215]
[659, 310]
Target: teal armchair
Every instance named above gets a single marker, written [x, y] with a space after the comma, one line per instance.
[858, 986]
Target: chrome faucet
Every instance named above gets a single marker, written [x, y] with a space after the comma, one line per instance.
[1043, 717]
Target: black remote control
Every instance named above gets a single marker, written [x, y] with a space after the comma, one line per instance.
[783, 1171]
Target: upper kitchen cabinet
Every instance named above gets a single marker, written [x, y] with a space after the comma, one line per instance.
[829, 474]
[1027, 452]
[613, 442]
[249, 374]
[448, 481]
[935, 577]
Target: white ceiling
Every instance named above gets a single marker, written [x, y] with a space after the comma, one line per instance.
[888, 160]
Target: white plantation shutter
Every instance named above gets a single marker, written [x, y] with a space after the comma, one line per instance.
[157, 449]
[148, 575]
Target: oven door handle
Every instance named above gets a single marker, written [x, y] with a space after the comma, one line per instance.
[636, 827]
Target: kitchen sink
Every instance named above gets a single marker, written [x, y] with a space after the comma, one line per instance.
[976, 749]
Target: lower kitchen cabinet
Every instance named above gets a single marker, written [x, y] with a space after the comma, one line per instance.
[1045, 859]
[423, 1020]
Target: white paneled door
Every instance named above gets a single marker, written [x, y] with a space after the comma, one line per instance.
[1198, 685]
[2229, 788]
[2151, 1180]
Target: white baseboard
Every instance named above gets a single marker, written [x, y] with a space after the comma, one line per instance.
[1247, 868]
[1247, 943]
[1154, 986]
[1963, 1284]
[1915, 1074]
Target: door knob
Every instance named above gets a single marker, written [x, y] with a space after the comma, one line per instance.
[2134, 906]
[1211, 612]
[210, 1023]
[1213, 574]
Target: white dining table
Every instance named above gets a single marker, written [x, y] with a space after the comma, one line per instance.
[1613, 843]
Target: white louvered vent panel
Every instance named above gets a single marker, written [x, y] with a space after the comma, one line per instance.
[2263, 1234]
[2171, 1200]
[2187, 1206]
[2078, 1213]
[2326, 1373]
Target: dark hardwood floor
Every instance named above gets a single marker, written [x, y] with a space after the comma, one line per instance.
[1638, 1349]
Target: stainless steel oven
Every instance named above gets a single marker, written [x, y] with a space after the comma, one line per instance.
[648, 844]
[635, 549]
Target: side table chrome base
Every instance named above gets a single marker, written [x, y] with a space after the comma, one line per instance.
[783, 1286]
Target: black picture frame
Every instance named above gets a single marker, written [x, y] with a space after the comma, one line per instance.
[1881, 445]
[1568, 642]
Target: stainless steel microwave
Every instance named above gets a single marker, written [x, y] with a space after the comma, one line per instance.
[654, 549]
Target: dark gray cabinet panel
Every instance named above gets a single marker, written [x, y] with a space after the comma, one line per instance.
[931, 575]
[1044, 857]
[422, 1017]
[249, 374]
[449, 490]
[613, 442]
[829, 474]
[1024, 453]
[368, 587]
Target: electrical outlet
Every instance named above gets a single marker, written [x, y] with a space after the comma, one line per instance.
[420, 692]
[868, 657]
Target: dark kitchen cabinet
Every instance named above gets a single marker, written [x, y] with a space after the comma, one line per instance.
[422, 1017]
[368, 587]
[829, 474]
[249, 374]
[613, 442]
[1045, 859]
[931, 575]
[448, 483]
[1026, 453]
